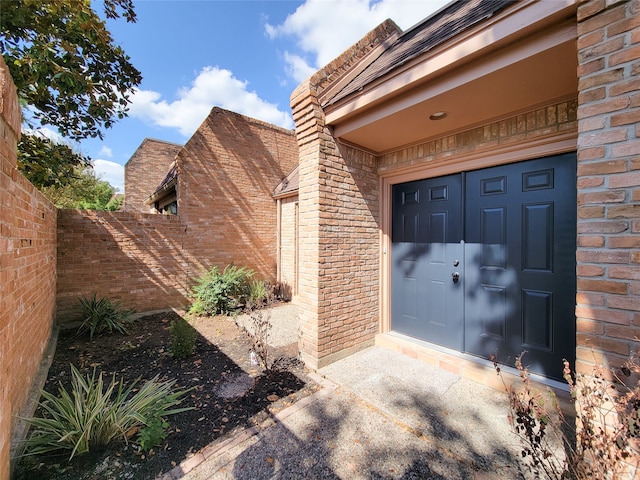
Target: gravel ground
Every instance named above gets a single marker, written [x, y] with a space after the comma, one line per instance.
[284, 323]
[379, 415]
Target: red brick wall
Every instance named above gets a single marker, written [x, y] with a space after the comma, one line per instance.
[226, 175]
[137, 259]
[339, 214]
[289, 257]
[27, 273]
[144, 172]
[608, 300]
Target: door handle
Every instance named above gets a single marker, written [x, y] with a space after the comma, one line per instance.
[455, 276]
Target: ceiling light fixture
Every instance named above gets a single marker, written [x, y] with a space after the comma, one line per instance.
[438, 116]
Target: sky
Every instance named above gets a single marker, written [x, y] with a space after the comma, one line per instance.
[241, 55]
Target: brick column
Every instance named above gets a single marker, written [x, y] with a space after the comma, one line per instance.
[338, 198]
[338, 229]
[305, 112]
[608, 277]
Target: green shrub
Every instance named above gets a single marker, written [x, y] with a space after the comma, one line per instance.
[183, 339]
[102, 315]
[260, 292]
[153, 433]
[91, 416]
[223, 293]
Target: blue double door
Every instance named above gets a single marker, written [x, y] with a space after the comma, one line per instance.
[483, 262]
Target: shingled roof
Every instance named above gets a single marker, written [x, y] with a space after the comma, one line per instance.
[288, 186]
[167, 184]
[443, 25]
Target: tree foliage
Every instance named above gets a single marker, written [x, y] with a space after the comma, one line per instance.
[85, 191]
[65, 64]
[69, 73]
[46, 163]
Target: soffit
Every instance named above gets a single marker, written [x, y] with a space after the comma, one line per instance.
[523, 58]
[166, 187]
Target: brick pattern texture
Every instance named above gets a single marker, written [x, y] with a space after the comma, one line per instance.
[27, 273]
[339, 224]
[608, 277]
[226, 175]
[144, 172]
[227, 172]
[542, 122]
[135, 258]
[289, 258]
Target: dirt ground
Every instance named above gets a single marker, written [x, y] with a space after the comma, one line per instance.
[229, 392]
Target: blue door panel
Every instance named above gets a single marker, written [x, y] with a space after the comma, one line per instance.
[509, 232]
[423, 253]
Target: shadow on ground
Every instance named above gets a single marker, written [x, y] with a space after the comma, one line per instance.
[380, 417]
[226, 392]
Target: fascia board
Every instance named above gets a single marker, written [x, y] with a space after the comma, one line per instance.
[535, 16]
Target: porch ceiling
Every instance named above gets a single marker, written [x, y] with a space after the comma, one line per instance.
[504, 80]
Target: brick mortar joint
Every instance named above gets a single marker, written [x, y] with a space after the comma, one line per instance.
[607, 5]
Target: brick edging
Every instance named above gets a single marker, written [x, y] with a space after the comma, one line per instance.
[223, 445]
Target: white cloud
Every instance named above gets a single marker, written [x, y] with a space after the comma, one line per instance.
[111, 172]
[297, 68]
[52, 135]
[323, 36]
[106, 152]
[213, 86]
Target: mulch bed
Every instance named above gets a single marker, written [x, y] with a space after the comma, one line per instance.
[229, 392]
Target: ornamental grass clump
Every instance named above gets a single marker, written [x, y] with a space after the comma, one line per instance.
[90, 416]
[102, 315]
[260, 294]
[221, 292]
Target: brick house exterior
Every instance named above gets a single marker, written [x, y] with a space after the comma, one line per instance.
[518, 81]
[223, 181]
[287, 229]
[145, 170]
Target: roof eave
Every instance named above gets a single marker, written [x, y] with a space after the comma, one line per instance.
[162, 191]
[447, 57]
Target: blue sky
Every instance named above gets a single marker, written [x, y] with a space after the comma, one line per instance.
[244, 56]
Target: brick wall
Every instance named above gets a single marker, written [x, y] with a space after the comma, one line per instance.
[226, 175]
[608, 301]
[289, 245]
[27, 273]
[338, 234]
[144, 172]
[137, 259]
